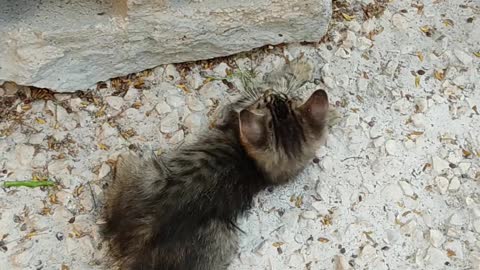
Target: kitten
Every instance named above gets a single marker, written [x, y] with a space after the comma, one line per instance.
[179, 212]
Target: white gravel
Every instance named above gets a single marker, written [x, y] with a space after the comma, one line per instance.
[396, 186]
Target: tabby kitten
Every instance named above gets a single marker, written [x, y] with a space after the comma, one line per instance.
[179, 212]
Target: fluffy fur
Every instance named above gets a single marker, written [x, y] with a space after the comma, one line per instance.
[179, 212]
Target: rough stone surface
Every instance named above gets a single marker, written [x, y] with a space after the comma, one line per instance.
[72, 46]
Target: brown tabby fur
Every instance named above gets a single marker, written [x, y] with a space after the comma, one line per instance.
[179, 212]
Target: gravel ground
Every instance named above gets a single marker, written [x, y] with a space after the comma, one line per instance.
[396, 186]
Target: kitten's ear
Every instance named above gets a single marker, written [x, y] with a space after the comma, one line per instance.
[252, 128]
[316, 107]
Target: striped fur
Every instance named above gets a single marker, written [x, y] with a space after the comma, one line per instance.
[179, 212]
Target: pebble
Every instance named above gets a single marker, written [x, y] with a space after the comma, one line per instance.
[363, 43]
[221, 70]
[476, 225]
[309, 215]
[341, 263]
[37, 138]
[454, 184]
[421, 104]
[295, 260]
[343, 53]
[177, 137]
[169, 123]
[24, 154]
[392, 237]
[115, 102]
[104, 170]
[368, 26]
[368, 254]
[457, 220]
[436, 238]
[354, 26]
[465, 58]
[195, 104]
[407, 188]
[435, 258]
[212, 90]
[352, 120]
[439, 165]
[175, 101]
[131, 94]
[58, 168]
[194, 80]
[399, 21]
[171, 72]
[162, 107]
[195, 121]
[75, 104]
[350, 40]
[392, 147]
[442, 184]
[418, 120]
[329, 82]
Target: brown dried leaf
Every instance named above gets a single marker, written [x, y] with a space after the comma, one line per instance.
[323, 240]
[184, 88]
[348, 17]
[439, 75]
[299, 201]
[417, 81]
[26, 107]
[448, 22]
[327, 220]
[65, 267]
[451, 253]
[278, 244]
[466, 153]
[477, 54]
[103, 146]
[420, 56]
[40, 121]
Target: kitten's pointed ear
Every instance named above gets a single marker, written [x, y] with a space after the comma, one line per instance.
[252, 128]
[316, 107]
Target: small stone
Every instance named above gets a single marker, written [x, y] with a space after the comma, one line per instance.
[368, 26]
[464, 167]
[177, 137]
[476, 225]
[454, 184]
[436, 238]
[343, 53]
[134, 114]
[175, 101]
[327, 164]
[352, 120]
[131, 94]
[10, 88]
[169, 123]
[418, 120]
[341, 263]
[406, 188]
[399, 21]
[329, 82]
[391, 147]
[76, 104]
[211, 90]
[194, 80]
[104, 170]
[439, 165]
[442, 184]
[59, 236]
[115, 102]
[457, 220]
[435, 258]
[392, 237]
[171, 73]
[295, 260]
[24, 154]
[195, 121]
[195, 104]
[58, 167]
[350, 40]
[309, 215]
[368, 254]
[37, 138]
[391, 67]
[354, 26]
[221, 70]
[463, 57]
[363, 43]
[162, 107]
[421, 105]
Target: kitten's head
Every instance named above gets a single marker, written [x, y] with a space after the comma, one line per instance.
[282, 134]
